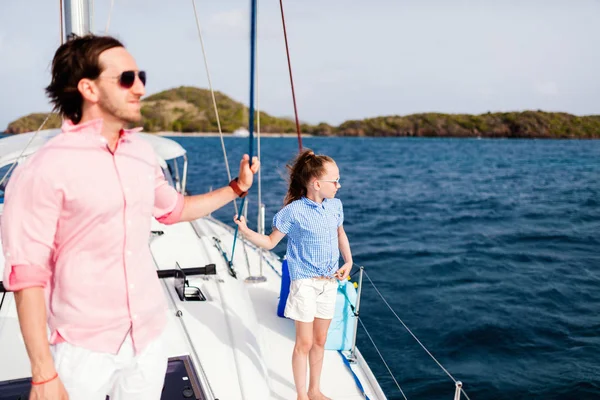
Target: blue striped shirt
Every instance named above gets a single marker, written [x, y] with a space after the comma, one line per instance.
[312, 230]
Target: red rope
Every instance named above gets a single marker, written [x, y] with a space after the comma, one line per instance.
[62, 36]
[287, 50]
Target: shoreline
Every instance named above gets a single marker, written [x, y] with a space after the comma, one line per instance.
[228, 134]
[307, 135]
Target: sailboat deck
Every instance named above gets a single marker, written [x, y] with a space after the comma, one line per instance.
[268, 338]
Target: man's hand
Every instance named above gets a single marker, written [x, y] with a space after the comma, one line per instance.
[342, 273]
[246, 175]
[53, 390]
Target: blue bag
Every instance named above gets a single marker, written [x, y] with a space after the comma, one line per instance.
[341, 330]
[284, 291]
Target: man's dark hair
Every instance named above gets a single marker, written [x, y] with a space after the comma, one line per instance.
[76, 59]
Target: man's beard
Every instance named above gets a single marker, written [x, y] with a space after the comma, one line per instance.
[112, 109]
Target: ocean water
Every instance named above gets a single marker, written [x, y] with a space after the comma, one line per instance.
[489, 250]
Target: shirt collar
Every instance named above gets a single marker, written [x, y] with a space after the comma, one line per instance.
[314, 204]
[93, 127]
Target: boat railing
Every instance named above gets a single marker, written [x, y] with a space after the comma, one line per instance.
[176, 178]
[360, 270]
[353, 355]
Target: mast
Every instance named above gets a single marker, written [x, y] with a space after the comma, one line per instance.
[77, 17]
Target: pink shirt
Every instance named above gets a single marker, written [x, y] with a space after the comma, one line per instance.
[77, 221]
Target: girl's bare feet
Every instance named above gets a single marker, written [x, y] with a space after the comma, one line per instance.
[317, 396]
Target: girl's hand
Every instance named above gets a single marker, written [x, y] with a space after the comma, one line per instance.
[241, 223]
[342, 273]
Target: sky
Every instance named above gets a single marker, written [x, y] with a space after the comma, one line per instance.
[351, 59]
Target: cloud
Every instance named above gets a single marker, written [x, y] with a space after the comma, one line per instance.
[233, 23]
[334, 75]
[236, 24]
[547, 88]
[486, 91]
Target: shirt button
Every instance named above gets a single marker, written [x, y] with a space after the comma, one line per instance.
[135, 316]
[132, 286]
[129, 222]
[128, 252]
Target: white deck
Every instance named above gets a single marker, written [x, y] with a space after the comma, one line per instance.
[235, 337]
[251, 315]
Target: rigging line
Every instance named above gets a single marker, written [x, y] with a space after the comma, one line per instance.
[412, 334]
[251, 111]
[258, 153]
[258, 130]
[203, 239]
[229, 315]
[223, 298]
[264, 256]
[191, 343]
[287, 50]
[2, 301]
[24, 149]
[252, 75]
[382, 359]
[179, 314]
[13, 165]
[269, 263]
[272, 267]
[110, 10]
[214, 101]
[245, 213]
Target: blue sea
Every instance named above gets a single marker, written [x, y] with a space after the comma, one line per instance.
[489, 250]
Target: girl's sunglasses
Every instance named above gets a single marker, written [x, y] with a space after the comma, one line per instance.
[336, 181]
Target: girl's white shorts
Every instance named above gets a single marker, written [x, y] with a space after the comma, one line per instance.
[311, 298]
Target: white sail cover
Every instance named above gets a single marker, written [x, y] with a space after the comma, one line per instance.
[12, 147]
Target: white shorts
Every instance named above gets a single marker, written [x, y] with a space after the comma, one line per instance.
[90, 375]
[311, 298]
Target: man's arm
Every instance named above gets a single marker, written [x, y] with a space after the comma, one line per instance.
[198, 206]
[31, 307]
[31, 213]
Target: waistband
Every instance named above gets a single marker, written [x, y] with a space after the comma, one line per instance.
[324, 278]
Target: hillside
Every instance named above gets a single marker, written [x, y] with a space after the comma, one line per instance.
[189, 109]
[527, 124]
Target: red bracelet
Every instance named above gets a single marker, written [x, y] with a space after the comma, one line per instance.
[46, 381]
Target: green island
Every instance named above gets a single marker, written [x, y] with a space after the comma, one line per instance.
[190, 110]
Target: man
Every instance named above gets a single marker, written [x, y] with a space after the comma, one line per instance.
[75, 232]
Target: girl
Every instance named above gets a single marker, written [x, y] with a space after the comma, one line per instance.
[312, 218]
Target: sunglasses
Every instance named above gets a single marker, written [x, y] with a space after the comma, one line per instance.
[336, 181]
[127, 78]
